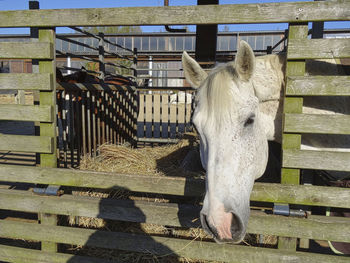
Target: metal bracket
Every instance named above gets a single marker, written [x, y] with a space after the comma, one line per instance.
[50, 190]
[284, 210]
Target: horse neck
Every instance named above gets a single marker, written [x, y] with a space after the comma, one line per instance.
[268, 82]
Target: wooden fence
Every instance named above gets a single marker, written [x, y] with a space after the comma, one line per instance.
[165, 114]
[90, 115]
[51, 232]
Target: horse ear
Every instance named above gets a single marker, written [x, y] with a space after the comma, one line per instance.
[194, 74]
[245, 61]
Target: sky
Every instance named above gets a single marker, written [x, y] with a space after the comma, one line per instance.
[62, 4]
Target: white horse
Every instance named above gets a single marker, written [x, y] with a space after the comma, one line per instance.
[238, 109]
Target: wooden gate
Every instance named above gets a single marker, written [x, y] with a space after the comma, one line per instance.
[49, 232]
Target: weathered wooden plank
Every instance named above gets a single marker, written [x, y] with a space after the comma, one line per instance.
[291, 141]
[48, 128]
[287, 243]
[30, 50]
[26, 113]
[158, 245]
[322, 160]
[301, 194]
[113, 209]
[316, 123]
[22, 143]
[180, 15]
[25, 81]
[318, 86]
[48, 98]
[292, 105]
[315, 227]
[104, 180]
[318, 48]
[25, 255]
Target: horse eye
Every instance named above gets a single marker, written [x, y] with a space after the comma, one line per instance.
[249, 121]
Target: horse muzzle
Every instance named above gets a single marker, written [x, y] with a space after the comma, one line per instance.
[225, 227]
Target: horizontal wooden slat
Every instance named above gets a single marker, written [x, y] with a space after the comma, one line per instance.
[316, 123]
[26, 81]
[104, 180]
[179, 15]
[158, 245]
[106, 208]
[318, 48]
[26, 113]
[315, 227]
[300, 194]
[29, 50]
[318, 86]
[20, 255]
[22, 143]
[321, 160]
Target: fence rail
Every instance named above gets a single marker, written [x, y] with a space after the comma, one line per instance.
[262, 192]
[180, 15]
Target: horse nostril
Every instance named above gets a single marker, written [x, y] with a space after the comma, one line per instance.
[237, 228]
[211, 230]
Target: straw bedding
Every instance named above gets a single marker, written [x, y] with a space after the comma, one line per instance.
[158, 161]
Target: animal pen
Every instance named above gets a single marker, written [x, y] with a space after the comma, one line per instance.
[51, 205]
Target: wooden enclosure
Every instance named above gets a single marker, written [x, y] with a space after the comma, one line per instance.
[94, 114]
[292, 231]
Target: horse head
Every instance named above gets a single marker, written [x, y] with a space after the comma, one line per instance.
[233, 148]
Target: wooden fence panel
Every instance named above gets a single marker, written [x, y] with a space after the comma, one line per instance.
[317, 123]
[23, 143]
[321, 160]
[318, 48]
[26, 81]
[301, 194]
[26, 113]
[180, 15]
[170, 214]
[159, 245]
[18, 254]
[48, 128]
[318, 86]
[292, 105]
[326, 228]
[26, 50]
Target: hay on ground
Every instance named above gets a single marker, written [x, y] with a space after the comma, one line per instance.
[159, 161]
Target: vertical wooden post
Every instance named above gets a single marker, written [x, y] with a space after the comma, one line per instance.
[317, 28]
[34, 35]
[206, 37]
[48, 128]
[292, 105]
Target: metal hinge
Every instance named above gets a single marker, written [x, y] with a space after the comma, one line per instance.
[284, 210]
[50, 190]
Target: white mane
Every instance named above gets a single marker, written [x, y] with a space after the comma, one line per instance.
[220, 95]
